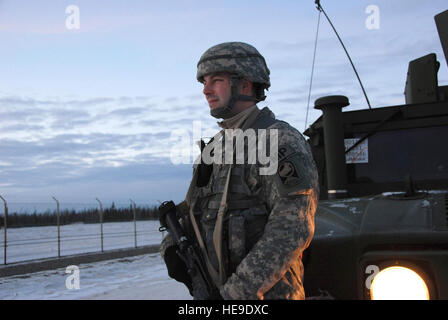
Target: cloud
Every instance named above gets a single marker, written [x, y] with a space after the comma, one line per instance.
[106, 146]
[59, 162]
[144, 183]
[69, 115]
[22, 127]
[128, 112]
[18, 101]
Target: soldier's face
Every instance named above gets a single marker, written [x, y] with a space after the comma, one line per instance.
[217, 89]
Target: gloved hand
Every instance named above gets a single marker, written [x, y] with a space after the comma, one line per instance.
[177, 268]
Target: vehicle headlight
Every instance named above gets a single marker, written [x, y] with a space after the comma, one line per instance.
[398, 283]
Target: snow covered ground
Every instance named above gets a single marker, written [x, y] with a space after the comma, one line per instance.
[41, 242]
[138, 278]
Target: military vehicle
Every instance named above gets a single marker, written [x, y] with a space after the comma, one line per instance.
[382, 219]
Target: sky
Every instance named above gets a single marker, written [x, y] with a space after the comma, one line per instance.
[97, 96]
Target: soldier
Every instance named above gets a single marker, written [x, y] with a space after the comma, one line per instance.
[251, 228]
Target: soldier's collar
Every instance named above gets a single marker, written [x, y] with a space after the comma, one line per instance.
[237, 120]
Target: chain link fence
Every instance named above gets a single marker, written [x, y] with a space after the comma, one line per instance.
[69, 237]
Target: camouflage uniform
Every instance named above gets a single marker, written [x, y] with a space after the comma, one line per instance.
[269, 220]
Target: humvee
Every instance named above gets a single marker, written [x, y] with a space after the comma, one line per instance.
[382, 220]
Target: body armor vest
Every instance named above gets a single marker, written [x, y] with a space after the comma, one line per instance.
[247, 213]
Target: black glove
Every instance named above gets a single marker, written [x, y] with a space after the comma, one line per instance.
[177, 268]
[215, 295]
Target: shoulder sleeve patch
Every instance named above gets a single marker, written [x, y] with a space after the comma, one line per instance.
[291, 173]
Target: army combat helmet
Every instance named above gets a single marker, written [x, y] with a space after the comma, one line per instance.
[241, 60]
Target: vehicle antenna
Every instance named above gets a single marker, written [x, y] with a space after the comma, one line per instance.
[312, 70]
[319, 7]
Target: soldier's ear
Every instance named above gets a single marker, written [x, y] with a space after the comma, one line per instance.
[246, 87]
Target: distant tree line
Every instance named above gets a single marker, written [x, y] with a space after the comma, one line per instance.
[49, 218]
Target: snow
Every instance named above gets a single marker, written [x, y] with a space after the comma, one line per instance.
[425, 203]
[141, 277]
[134, 278]
[339, 205]
[41, 242]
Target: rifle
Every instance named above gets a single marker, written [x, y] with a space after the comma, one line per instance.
[203, 286]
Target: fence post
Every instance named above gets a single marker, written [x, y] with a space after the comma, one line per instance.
[6, 228]
[101, 223]
[135, 224]
[59, 228]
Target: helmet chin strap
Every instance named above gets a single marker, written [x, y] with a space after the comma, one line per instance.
[228, 111]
